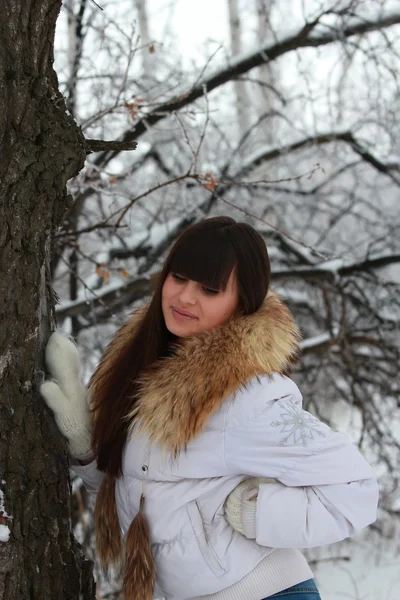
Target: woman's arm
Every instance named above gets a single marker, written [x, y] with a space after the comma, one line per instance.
[85, 467]
[324, 491]
[304, 517]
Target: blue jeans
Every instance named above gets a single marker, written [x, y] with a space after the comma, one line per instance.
[302, 591]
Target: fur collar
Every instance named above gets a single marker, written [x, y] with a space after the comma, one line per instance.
[180, 393]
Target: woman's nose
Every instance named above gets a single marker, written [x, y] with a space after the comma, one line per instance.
[188, 293]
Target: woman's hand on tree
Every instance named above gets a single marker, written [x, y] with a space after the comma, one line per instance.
[66, 395]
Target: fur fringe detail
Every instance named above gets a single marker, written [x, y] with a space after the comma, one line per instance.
[140, 569]
[108, 532]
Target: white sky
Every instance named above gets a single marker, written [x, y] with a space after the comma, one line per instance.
[193, 22]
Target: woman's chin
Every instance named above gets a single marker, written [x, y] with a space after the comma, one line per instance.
[179, 329]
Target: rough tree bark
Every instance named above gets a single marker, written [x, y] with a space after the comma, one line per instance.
[41, 148]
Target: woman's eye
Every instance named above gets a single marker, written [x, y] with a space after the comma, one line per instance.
[210, 291]
[177, 277]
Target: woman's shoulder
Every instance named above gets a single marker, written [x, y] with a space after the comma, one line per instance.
[261, 393]
[270, 388]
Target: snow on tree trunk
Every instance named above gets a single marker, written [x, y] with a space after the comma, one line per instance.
[41, 149]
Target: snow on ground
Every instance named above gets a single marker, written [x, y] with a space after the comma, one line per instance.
[363, 577]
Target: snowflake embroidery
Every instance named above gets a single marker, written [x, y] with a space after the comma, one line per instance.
[299, 425]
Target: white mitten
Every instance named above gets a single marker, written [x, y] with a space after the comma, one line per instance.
[240, 506]
[65, 394]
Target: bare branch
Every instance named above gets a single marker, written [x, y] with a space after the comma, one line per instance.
[109, 146]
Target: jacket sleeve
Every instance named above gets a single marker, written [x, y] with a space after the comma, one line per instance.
[325, 491]
[89, 474]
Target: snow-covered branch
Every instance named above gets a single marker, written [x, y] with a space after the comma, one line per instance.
[266, 154]
[336, 268]
[301, 39]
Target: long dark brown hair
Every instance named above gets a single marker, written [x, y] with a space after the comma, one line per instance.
[206, 252]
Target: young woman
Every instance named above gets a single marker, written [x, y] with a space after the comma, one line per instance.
[201, 455]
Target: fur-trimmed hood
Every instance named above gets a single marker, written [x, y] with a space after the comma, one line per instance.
[178, 394]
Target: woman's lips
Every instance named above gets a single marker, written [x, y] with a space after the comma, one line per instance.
[181, 316]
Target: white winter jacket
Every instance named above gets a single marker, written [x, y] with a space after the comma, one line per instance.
[324, 492]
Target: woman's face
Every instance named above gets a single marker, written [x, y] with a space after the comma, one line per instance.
[189, 308]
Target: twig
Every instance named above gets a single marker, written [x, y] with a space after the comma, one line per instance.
[97, 297]
[150, 191]
[278, 229]
[95, 227]
[98, 5]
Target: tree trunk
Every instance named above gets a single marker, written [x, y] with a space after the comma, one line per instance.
[148, 64]
[266, 74]
[242, 100]
[41, 149]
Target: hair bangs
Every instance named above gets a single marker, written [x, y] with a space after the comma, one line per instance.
[208, 259]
